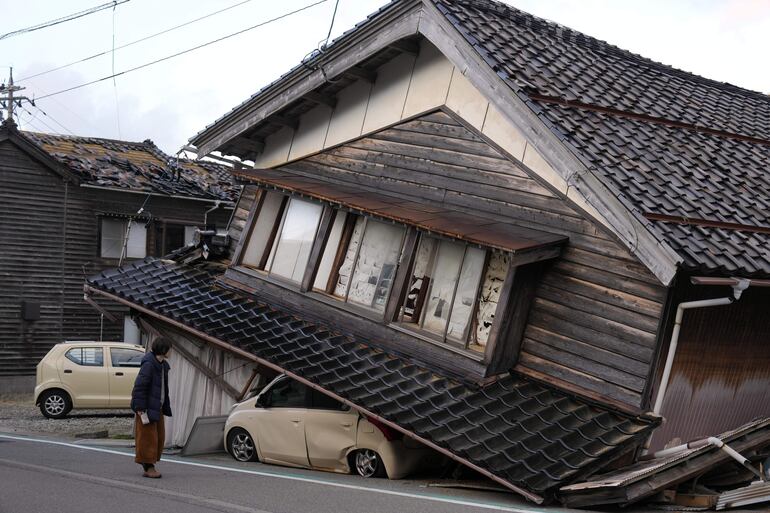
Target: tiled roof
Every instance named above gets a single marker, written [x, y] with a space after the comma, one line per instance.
[523, 432]
[665, 141]
[136, 166]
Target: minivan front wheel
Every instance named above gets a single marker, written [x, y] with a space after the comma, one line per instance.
[55, 404]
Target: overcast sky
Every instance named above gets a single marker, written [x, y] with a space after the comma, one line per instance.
[169, 102]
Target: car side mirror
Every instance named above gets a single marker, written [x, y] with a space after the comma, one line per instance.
[263, 400]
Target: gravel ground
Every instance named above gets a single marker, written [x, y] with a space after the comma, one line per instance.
[18, 414]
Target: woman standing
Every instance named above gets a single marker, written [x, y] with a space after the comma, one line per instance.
[149, 399]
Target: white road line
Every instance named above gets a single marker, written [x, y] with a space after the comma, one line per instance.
[427, 497]
[195, 500]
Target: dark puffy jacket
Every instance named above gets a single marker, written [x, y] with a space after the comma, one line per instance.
[146, 393]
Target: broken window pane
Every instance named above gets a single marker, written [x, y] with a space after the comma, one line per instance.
[489, 295]
[346, 266]
[376, 264]
[298, 230]
[443, 289]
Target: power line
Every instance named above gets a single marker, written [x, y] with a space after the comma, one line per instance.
[162, 59]
[53, 119]
[126, 45]
[63, 19]
[73, 112]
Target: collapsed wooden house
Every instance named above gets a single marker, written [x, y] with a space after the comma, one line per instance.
[65, 205]
[477, 226]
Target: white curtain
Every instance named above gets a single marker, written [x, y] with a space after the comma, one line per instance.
[193, 394]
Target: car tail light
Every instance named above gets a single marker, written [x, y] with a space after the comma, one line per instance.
[387, 431]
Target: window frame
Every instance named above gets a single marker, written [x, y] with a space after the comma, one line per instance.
[339, 260]
[112, 359]
[81, 362]
[417, 328]
[391, 317]
[122, 219]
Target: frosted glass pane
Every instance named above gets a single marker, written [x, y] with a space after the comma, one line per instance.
[446, 270]
[330, 251]
[189, 234]
[263, 226]
[376, 264]
[465, 297]
[137, 241]
[296, 239]
[113, 231]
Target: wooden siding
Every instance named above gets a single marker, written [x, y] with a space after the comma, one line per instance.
[594, 318]
[49, 239]
[241, 215]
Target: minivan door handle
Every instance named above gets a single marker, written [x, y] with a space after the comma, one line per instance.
[118, 373]
[67, 371]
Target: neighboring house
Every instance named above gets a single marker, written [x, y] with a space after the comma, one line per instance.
[477, 226]
[66, 203]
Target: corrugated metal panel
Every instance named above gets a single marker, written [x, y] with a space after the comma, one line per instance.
[721, 373]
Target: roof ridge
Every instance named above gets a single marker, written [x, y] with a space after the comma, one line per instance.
[84, 138]
[580, 38]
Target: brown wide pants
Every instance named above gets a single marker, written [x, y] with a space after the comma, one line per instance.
[149, 440]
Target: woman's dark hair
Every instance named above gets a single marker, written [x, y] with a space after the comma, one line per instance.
[161, 346]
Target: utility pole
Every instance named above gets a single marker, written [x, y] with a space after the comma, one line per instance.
[7, 98]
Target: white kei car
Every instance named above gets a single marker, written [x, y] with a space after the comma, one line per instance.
[290, 424]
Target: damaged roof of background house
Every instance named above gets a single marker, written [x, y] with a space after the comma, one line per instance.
[671, 163]
[136, 167]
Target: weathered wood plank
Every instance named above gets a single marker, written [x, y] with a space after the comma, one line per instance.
[570, 376]
[541, 318]
[587, 351]
[598, 308]
[614, 328]
[603, 293]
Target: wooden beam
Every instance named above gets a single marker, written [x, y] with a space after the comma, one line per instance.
[292, 123]
[320, 99]
[248, 145]
[361, 74]
[536, 255]
[324, 229]
[404, 46]
[100, 309]
[195, 361]
[247, 385]
[256, 206]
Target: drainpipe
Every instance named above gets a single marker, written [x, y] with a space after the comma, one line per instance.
[739, 285]
[715, 442]
[206, 214]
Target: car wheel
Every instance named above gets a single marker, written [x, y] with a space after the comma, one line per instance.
[241, 445]
[368, 463]
[55, 404]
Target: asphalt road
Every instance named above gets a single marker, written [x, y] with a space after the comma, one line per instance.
[45, 476]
